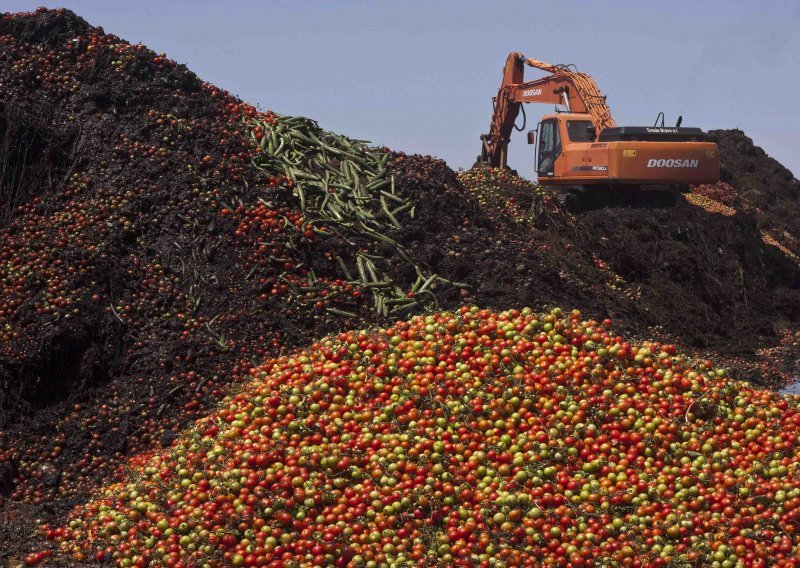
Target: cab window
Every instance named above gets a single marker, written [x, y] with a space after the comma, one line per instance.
[578, 130]
[549, 147]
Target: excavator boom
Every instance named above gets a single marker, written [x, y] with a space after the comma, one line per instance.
[577, 91]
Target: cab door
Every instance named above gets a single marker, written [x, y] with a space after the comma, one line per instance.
[549, 148]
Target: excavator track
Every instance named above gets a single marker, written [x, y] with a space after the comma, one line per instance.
[579, 199]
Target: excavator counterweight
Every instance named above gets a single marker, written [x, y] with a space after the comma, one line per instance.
[581, 148]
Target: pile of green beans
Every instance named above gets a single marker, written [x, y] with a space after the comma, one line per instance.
[344, 188]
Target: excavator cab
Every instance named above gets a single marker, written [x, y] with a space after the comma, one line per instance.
[572, 129]
[565, 148]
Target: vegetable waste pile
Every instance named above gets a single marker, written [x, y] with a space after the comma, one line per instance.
[159, 239]
[467, 438]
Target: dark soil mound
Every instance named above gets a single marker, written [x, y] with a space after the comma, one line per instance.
[146, 265]
[122, 287]
[763, 183]
[759, 178]
[704, 279]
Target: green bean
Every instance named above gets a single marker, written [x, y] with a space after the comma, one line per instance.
[338, 312]
[393, 197]
[394, 221]
[344, 267]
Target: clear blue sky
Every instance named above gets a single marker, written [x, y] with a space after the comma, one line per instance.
[419, 75]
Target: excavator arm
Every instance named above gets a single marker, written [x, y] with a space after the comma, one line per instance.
[577, 91]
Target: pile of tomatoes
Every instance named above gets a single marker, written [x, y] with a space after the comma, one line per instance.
[467, 438]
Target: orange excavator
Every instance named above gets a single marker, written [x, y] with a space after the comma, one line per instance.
[580, 148]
